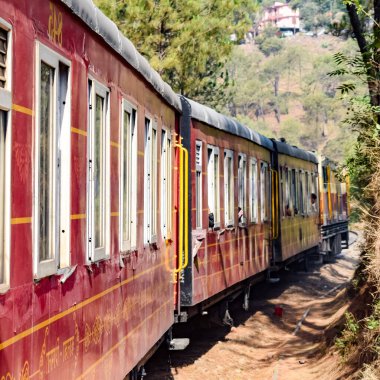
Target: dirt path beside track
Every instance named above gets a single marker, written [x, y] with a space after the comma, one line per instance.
[262, 345]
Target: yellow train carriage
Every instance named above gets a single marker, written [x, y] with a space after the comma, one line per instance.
[334, 210]
[296, 219]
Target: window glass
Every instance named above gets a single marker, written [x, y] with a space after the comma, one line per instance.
[98, 177]
[253, 189]
[228, 188]
[294, 192]
[46, 161]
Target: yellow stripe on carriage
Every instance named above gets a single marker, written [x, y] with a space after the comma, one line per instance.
[79, 131]
[22, 109]
[78, 216]
[25, 220]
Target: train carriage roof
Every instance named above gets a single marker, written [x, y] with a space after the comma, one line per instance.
[217, 120]
[104, 27]
[293, 151]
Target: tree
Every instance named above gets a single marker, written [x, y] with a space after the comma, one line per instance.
[369, 44]
[187, 41]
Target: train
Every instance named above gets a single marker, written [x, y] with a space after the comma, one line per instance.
[126, 208]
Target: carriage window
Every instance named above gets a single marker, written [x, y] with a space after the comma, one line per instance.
[52, 169]
[99, 180]
[4, 58]
[165, 183]
[282, 191]
[198, 184]
[324, 177]
[150, 179]
[213, 186]
[264, 192]
[307, 193]
[229, 187]
[253, 190]
[294, 195]
[128, 183]
[314, 192]
[287, 201]
[242, 185]
[301, 192]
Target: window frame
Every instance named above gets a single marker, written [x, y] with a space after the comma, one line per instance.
[166, 183]
[95, 88]
[212, 175]
[229, 193]
[198, 195]
[242, 171]
[131, 217]
[61, 178]
[150, 176]
[253, 182]
[5, 187]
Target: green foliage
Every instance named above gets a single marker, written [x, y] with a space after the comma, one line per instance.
[349, 336]
[319, 14]
[186, 41]
[269, 42]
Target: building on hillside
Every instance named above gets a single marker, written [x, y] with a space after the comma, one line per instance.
[282, 16]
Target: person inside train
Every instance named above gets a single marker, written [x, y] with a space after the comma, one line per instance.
[241, 218]
[313, 202]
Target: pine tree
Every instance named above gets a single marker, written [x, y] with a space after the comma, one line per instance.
[187, 41]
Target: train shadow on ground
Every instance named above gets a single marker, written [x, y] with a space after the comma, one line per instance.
[208, 330]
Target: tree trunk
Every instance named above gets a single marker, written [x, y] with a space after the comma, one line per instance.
[372, 61]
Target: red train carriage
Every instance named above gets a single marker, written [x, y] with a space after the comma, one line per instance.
[297, 212]
[230, 201]
[87, 131]
[334, 213]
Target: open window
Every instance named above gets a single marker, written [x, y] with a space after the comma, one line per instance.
[229, 187]
[253, 184]
[98, 193]
[5, 151]
[150, 182]
[128, 177]
[198, 184]
[213, 186]
[51, 214]
[265, 195]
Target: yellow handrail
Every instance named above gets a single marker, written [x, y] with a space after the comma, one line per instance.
[348, 195]
[180, 223]
[183, 239]
[186, 263]
[328, 172]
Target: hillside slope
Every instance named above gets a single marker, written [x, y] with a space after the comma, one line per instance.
[290, 94]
